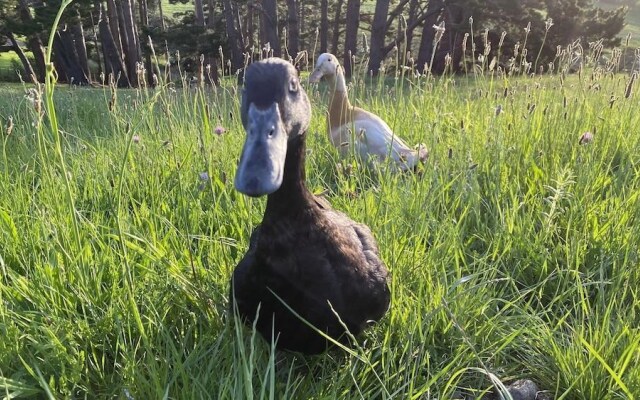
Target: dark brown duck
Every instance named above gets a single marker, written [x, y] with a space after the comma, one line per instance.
[305, 254]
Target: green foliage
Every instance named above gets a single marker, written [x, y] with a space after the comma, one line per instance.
[191, 40]
[542, 24]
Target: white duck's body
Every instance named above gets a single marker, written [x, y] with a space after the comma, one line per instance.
[354, 129]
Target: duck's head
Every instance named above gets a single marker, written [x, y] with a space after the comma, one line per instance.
[327, 65]
[275, 110]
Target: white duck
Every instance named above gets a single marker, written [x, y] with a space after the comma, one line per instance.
[352, 127]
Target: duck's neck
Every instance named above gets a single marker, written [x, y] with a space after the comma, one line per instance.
[293, 193]
[339, 106]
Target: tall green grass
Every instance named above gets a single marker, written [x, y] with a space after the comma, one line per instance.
[513, 250]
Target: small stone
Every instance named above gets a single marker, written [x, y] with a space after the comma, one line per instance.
[523, 389]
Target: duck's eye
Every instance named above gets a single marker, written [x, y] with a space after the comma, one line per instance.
[293, 86]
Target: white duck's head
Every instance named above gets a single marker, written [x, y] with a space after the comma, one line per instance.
[327, 65]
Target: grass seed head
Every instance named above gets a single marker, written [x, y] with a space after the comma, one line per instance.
[629, 88]
[9, 127]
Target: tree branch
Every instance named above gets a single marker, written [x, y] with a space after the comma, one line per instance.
[409, 28]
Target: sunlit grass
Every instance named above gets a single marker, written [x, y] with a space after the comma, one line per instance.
[513, 251]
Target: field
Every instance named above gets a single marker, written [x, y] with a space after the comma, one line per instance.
[513, 251]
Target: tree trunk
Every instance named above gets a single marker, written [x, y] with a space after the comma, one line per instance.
[269, 24]
[77, 33]
[94, 37]
[113, 63]
[66, 60]
[115, 22]
[161, 15]
[250, 29]
[451, 40]
[234, 36]
[336, 28]
[34, 43]
[132, 49]
[150, 68]
[199, 11]
[434, 11]
[293, 28]
[413, 14]
[302, 44]
[324, 26]
[28, 69]
[378, 33]
[211, 20]
[351, 35]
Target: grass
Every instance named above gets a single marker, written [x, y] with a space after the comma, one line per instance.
[170, 9]
[514, 251]
[9, 63]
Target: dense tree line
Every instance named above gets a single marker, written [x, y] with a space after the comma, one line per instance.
[119, 39]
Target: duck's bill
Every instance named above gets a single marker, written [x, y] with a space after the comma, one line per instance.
[264, 152]
[315, 76]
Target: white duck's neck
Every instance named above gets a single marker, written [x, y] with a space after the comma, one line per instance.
[337, 81]
[339, 105]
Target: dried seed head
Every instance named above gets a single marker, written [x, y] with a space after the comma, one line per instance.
[440, 29]
[629, 88]
[33, 96]
[501, 42]
[493, 63]
[9, 127]
[548, 24]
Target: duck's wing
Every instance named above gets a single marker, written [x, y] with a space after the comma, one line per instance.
[242, 277]
[372, 274]
[376, 132]
[377, 138]
[322, 202]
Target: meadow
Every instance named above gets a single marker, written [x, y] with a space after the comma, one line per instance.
[513, 250]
